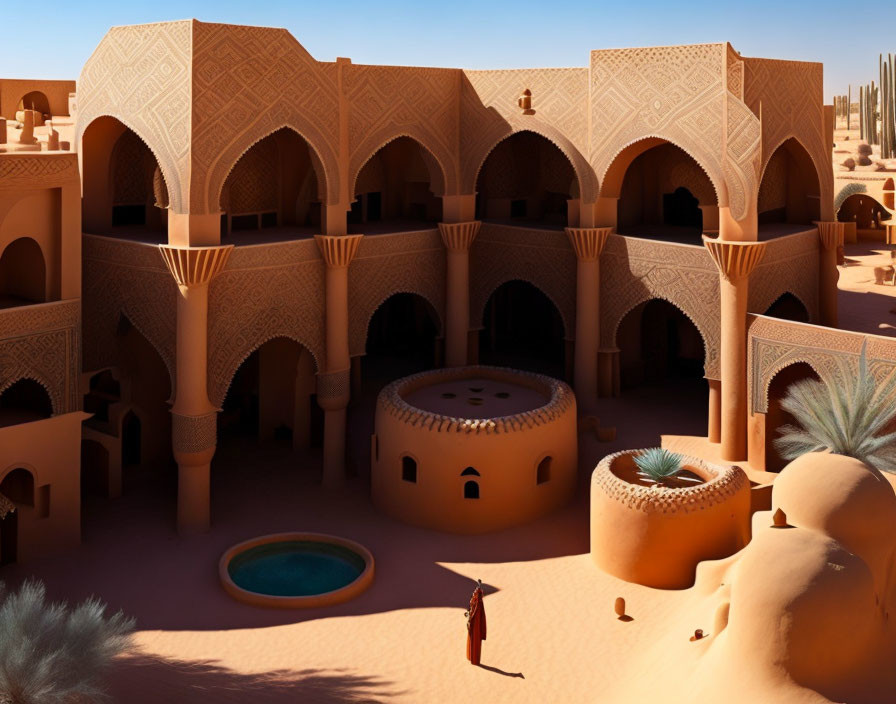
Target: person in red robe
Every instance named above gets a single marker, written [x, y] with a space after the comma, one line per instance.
[475, 625]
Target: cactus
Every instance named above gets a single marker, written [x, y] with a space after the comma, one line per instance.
[887, 107]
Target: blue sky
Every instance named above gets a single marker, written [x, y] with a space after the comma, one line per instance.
[43, 40]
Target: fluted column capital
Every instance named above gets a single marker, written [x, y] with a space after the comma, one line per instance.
[735, 260]
[459, 236]
[338, 250]
[195, 266]
[588, 242]
[830, 234]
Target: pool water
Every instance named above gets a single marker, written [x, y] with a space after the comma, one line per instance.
[295, 568]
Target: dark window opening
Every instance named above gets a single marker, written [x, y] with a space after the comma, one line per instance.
[409, 469]
[269, 219]
[244, 222]
[471, 490]
[518, 208]
[543, 473]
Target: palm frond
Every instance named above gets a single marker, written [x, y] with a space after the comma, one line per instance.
[52, 654]
[846, 420]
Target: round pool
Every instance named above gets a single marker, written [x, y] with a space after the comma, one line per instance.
[296, 570]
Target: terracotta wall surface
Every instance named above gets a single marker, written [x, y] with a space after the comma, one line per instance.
[789, 265]
[774, 344]
[12, 90]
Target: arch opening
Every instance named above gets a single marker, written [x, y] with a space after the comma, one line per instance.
[523, 329]
[18, 487]
[663, 193]
[471, 490]
[543, 471]
[526, 180]
[402, 339]
[35, 100]
[124, 190]
[23, 402]
[790, 190]
[866, 212]
[272, 398]
[776, 417]
[788, 307]
[131, 439]
[396, 190]
[23, 274]
[274, 188]
[409, 469]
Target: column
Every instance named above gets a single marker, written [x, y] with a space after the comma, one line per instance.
[334, 382]
[735, 261]
[457, 237]
[830, 235]
[588, 243]
[193, 417]
[714, 429]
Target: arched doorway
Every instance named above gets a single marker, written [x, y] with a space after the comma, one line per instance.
[523, 329]
[23, 274]
[658, 343]
[401, 340]
[18, 487]
[24, 401]
[35, 100]
[776, 417]
[866, 212]
[275, 184]
[272, 398]
[788, 307]
[526, 180]
[397, 189]
[663, 193]
[789, 191]
[124, 190]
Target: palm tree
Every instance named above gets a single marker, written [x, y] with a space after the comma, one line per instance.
[51, 654]
[845, 419]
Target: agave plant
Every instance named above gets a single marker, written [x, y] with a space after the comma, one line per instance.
[846, 419]
[659, 464]
[51, 654]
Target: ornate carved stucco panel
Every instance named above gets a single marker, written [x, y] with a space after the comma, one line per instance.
[408, 262]
[789, 265]
[140, 75]
[543, 258]
[634, 271]
[265, 292]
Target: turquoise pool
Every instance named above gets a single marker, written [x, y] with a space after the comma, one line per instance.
[295, 568]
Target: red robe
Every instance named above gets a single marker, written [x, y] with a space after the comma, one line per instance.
[475, 627]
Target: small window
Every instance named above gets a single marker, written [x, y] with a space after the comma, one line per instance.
[471, 490]
[544, 471]
[469, 472]
[409, 469]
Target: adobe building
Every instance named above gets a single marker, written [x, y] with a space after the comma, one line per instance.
[269, 239]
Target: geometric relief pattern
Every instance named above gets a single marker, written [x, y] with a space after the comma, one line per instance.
[247, 83]
[792, 103]
[789, 265]
[489, 113]
[743, 135]
[634, 271]
[833, 354]
[674, 93]
[41, 342]
[141, 76]
[268, 291]
[543, 258]
[406, 262]
[45, 171]
[392, 101]
[130, 279]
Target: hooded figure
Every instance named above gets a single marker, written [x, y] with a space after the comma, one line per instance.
[475, 625]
